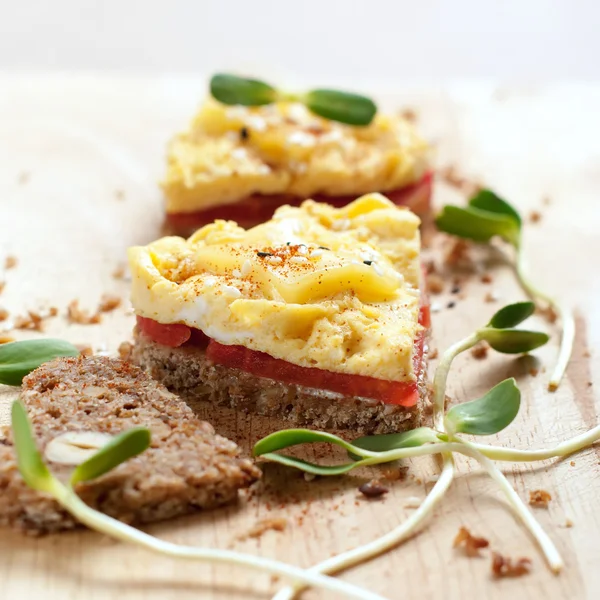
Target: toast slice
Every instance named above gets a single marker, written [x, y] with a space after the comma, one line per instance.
[242, 163]
[189, 372]
[188, 467]
[318, 316]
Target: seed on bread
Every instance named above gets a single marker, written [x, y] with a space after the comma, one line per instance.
[75, 447]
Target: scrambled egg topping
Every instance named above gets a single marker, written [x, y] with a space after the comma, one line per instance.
[336, 289]
[232, 152]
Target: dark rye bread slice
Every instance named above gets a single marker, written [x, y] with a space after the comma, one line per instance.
[188, 467]
[187, 371]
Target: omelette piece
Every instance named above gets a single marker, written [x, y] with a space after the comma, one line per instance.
[317, 315]
[242, 163]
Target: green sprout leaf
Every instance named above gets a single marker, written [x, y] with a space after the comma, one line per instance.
[478, 225]
[513, 341]
[393, 441]
[279, 440]
[488, 201]
[230, 89]
[343, 107]
[18, 359]
[308, 467]
[512, 315]
[293, 437]
[487, 415]
[31, 466]
[123, 447]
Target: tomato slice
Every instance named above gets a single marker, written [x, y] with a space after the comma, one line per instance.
[264, 365]
[172, 335]
[258, 208]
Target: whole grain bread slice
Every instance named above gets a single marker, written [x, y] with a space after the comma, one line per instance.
[187, 371]
[188, 467]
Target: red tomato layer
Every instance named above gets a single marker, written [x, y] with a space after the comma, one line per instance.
[258, 208]
[172, 335]
[264, 365]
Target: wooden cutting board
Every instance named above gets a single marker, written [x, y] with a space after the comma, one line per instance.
[79, 160]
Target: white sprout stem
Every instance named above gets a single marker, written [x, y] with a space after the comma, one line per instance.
[566, 317]
[441, 377]
[415, 521]
[565, 448]
[116, 529]
[546, 545]
[386, 542]
[480, 452]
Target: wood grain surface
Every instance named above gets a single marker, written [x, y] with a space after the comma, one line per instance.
[79, 160]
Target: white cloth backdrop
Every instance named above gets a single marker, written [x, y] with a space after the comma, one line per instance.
[319, 40]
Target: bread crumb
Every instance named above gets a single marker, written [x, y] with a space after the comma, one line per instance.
[458, 253]
[503, 566]
[409, 114]
[119, 272]
[486, 278]
[264, 525]
[125, 349]
[451, 176]
[398, 474]
[534, 372]
[587, 354]
[373, 489]
[548, 313]
[2, 286]
[4, 314]
[435, 283]
[32, 320]
[535, 216]
[572, 463]
[81, 317]
[470, 544]
[6, 339]
[108, 303]
[10, 262]
[490, 297]
[568, 523]
[433, 353]
[480, 351]
[539, 498]
[429, 266]
[84, 349]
